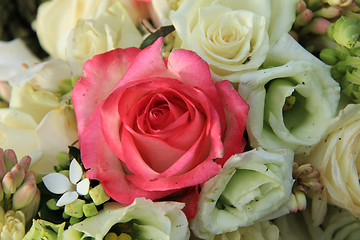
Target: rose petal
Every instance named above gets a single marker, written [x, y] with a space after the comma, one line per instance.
[67, 198]
[97, 83]
[198, 175]
[57, 183]
[107, 168]
[151, 63]
[236, 111]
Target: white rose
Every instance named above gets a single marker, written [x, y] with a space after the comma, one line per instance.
[36, 123]
[252, 186]
[233, 35]
[14, 57]
[337, 159]
[292, 99]
[112, 29]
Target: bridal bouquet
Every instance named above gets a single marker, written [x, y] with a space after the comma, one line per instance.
[180, 119]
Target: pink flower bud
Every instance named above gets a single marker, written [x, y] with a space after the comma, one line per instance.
[19, 173]
[9, 183]
[24, 195]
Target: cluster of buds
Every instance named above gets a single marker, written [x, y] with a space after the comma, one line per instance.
[345, 56]
[307, 180]
[313, 19]
[86, 202]
[19, 195]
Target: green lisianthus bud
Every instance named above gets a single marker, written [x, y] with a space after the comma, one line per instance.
[345, 31]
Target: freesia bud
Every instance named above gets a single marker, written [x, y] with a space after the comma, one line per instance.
[2, 164]
[9, 183]
[329, 12]
[32, 208]
[341, 3]
[24, 195]
[303, 18]
[19, 173]
[25, 162]
[10, 159]
[301, 6]
[319, 26]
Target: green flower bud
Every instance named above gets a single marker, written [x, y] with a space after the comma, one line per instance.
[328, 55]
[98, 195]
[346, 31]
[51, 204]
[75, 209]
[42, 229]
[90, 210]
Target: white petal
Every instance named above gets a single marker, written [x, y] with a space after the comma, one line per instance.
[67, 198]
[57, 183]
[75, 171]
[83, 186]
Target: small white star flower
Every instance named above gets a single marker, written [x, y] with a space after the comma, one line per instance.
[70, 187]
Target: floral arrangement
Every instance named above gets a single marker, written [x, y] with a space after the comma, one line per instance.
[180, 119]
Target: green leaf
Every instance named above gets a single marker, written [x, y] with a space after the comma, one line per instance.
[161, 32]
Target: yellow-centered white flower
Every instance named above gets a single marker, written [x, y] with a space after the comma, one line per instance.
[70, 187]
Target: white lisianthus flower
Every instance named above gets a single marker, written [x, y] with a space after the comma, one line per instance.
[252, 186]
[144, 218]
[337, 159]
[232, 35]
[111, 29]
[292, 99]
[259, 231]
[14, 56]
[70, 187]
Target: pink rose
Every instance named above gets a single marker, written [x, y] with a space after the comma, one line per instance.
[149, 126]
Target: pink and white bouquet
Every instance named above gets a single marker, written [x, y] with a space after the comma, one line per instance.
[182, 119]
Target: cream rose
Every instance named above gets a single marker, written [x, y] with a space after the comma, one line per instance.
[234, 35]
[111, 29]
[37, 123]
[56, 18]
[337, 159]
[77, 30]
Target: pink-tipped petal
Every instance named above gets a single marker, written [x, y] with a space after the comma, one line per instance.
[101, 74]
[236, 111]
